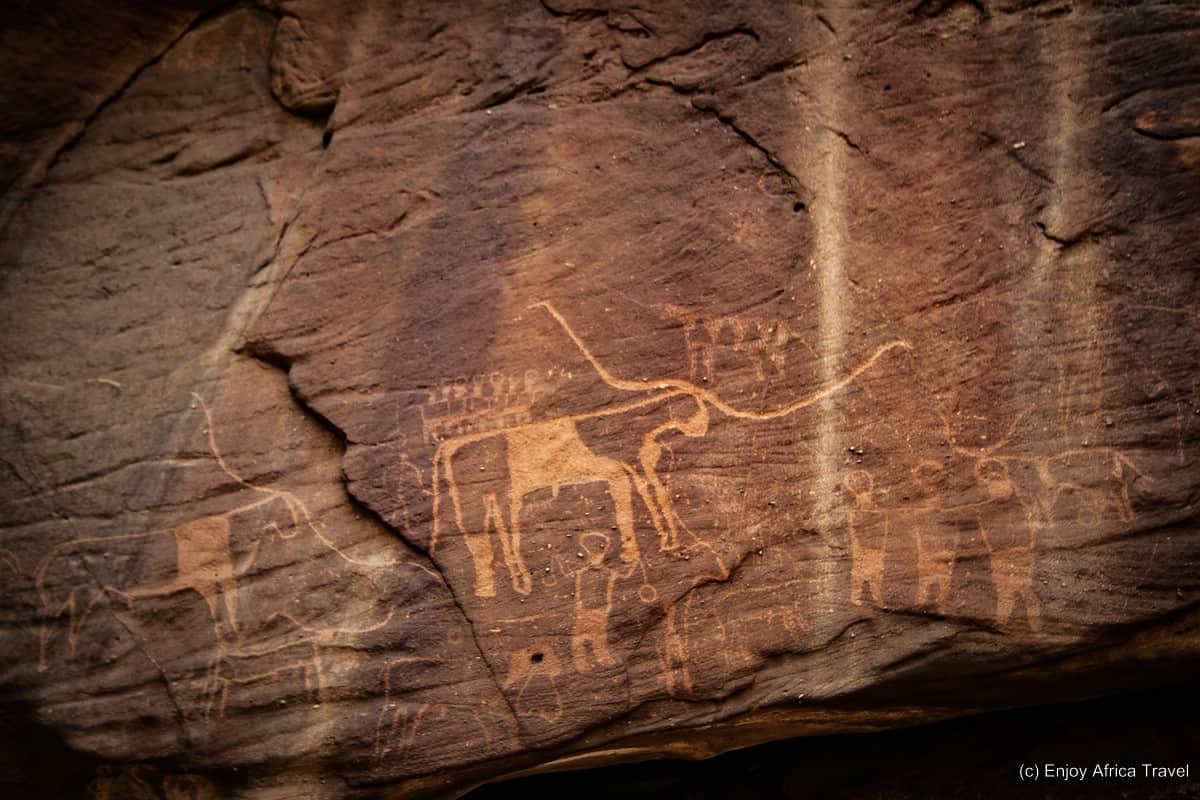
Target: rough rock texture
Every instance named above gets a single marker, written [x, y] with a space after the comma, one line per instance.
[399, 396]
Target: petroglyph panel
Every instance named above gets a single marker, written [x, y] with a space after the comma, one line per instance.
[591, 383]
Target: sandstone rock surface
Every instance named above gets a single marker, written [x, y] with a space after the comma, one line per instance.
[401, 396]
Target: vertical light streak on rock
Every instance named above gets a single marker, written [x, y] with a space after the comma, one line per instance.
[829, 265]
[1063, 325]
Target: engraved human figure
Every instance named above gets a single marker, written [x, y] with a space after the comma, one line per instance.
[594, 583]
[868, 528]
[936, 536]
[1008, 528]
[534, 671]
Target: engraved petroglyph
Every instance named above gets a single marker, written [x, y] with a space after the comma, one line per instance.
[11, 561]
[397, 722]
[203, 555]
[406, 470]
[762, 618]
[246, 667]
[760, 341]
[398, 726]
[550, 454]
[933, 525]
[1091, 482]
[1016, 498]
[673, 655]
[930, 524]
[594, 582]
[1182, 394]
[544, 455]
[534, 672]
[75, 578]
[868, 529]
[490, 458]
[203, 563]
[1009, 529]
[481, 403]
[1156, 388]
[936, 536]
[402, 724]
[1095, 481]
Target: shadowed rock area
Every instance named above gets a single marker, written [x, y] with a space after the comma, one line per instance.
[399, 397]
[964, 759]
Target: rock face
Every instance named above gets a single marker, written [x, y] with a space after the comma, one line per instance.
[407, 395]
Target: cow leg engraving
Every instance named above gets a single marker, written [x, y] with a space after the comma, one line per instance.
[510, 540]
[478, 544]
[622, 496]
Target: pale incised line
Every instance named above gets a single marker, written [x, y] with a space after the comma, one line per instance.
[11, 560]
[663, 389]
[981, 452]
[687, 387]
[295, 502]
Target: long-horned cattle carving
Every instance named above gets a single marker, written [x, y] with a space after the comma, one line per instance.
[551, 453]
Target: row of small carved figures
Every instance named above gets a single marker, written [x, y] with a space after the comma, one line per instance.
[460, 395]
[484, 402]
[437, 429]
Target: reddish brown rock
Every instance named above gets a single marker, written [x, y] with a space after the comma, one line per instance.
[412, 395]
